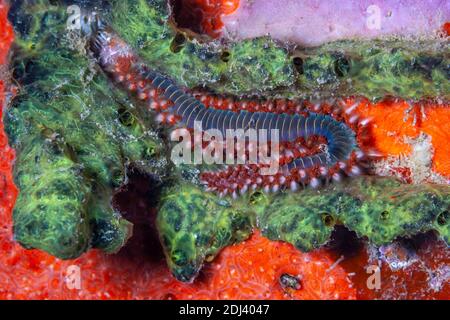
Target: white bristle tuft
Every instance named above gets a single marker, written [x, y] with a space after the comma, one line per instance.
[170, 118]
[336, 177]
[365, 122]
[154, 105]
[302, 173]
[293, 186]
[359, 154]
[160, 118]
[355, 170]
[289, 153]
[314, 183]
[142, 95]
[351, 108]
[353, 118]
[374, 154]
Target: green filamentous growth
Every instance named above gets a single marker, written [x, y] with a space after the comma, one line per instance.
[74, 139]
[375, 69]
[194, 226]
[379, 209]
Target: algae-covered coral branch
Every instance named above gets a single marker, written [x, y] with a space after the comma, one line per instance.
[74, 139]
[378, 208]
[405, 69]
[196, 225]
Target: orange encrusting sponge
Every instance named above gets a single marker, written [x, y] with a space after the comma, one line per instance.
[203, 16]
[446, 29]
[262, 269]
[437, 125]
[394, 121]
[257, 269]
[390, 124]
[6, 34]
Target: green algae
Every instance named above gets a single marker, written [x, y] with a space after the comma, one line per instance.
[145, 27]
[194, 226]
[374, 69]
[383, 209]
[378, 68]
[301, 223]
[378, 208]
[73, 143]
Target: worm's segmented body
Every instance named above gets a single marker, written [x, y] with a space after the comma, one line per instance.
[175, 104]
[341, 140]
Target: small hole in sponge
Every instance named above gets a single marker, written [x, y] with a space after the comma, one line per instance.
[341, 66]
[298, 64]
[255, 197]
[443, 218]
[225, 56]
[288, 281]
[328, 219]
[178, 43]
[384, 215]
[125, 117]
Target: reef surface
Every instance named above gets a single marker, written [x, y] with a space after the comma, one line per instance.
[77, 139]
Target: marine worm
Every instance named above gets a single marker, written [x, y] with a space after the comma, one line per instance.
[161, 93]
